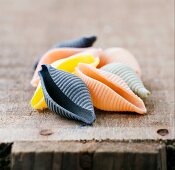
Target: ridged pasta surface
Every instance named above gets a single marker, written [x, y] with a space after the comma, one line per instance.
[68, 65]
[66, 94]
[129, 76]
[119, 55]
[109, 92]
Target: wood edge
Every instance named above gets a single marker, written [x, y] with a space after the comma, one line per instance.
[87, 152]
[91, 154]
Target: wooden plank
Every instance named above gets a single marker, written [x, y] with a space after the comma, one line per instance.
[57, 159]
[143, 27]
[90, 155]
[5, 156]
[170, 149]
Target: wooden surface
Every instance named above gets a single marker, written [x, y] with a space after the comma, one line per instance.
[30, 28]
[89, 156]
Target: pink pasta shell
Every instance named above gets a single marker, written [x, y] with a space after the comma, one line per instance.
[119, 55]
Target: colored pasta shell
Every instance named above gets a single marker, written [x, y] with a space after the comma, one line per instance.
[52, 56]
[68, 65]
[108, 91]
[129, 76]
[82, 42]
[66, 95]
[119, 55]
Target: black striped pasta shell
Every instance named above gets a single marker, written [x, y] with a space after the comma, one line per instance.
[82, 42]
[66, 95]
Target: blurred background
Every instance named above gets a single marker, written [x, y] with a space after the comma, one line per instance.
[28, 27]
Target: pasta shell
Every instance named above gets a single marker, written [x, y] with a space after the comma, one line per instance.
[68, 65]
[66, 95]
[50, 57]
[119, 55]
[82, 42]
[129, 76]
[108, 91]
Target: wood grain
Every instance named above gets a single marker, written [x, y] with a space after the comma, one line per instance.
[88, 156]
[30, 28]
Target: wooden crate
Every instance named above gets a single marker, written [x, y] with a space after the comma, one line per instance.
[32, 140]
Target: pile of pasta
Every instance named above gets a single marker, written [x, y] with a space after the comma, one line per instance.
[73, 77]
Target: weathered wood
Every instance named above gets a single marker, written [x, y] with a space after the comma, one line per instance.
[143, 27]
[91, 155]
[5, 156]
[30, 28]
[170, 149]
[57, 159]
